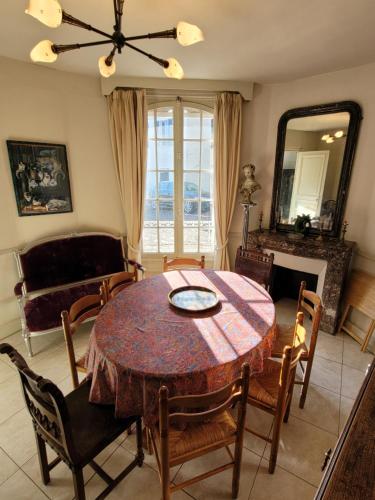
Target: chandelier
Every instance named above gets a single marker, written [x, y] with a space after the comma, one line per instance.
[50, 13]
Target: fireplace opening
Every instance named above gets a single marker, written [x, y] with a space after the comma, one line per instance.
[286, 282]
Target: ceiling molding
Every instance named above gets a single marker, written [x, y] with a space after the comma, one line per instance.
[244, 88]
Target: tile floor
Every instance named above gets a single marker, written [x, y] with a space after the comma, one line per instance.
[338, 371]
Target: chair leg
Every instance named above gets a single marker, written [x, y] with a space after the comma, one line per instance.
[79, 485]
[26, 338]
[286, 416]
[275, 442]
[236, 470]
[139, 433]
[305, 386]
[42, 457]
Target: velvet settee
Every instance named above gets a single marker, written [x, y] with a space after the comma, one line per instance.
[55, 272]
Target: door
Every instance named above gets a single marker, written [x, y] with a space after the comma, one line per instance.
[308, 186]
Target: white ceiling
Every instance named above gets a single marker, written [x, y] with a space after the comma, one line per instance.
[320, 122]
[254, 40]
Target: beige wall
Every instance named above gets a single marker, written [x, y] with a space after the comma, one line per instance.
[42, 104]
[261, 118]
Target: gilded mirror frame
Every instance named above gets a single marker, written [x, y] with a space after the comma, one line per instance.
[355, 117]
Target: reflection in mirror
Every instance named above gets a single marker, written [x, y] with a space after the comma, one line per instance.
[312, 166]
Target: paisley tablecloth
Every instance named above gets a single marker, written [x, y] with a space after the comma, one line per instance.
[140, 342]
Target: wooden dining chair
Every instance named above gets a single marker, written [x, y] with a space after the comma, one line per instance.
[192, 426]
[182, 263]
[75, 429]
[272, 391]
[310, 303]
[119, 281]
[84, 308]
[256, 265]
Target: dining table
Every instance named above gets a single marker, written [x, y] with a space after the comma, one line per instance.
[140, 342]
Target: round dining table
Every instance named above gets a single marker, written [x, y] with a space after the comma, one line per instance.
[140, 341]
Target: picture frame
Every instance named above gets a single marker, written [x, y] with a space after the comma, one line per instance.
[40, 177]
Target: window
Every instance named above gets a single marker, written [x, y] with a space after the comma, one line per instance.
[178, 212]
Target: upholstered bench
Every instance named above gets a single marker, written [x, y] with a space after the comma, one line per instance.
[55, 272]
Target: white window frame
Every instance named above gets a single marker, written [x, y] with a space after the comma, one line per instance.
[178, 105]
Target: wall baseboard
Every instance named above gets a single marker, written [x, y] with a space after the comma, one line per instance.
[9, 328]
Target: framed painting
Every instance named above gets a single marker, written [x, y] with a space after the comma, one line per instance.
[40, 177]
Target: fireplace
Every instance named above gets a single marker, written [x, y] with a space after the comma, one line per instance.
[286, 282]
[328, 260]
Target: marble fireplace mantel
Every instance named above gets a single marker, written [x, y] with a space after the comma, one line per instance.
[329, 259]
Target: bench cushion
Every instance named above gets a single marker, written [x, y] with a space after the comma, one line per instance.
[44, 312]
[69, 260]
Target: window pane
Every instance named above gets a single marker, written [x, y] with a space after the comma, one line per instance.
[191, 185]
[207, 125]
[151, 125]
[166, 211]
[192, 123]
[190, 210]
[166, 235]
[206, 185]
[190, 239]
[166, 185]
[207, 155]
[164, 123]
[192, 155]
[151, 163]
[206, 211]
[165, 155]
[151, 185]
[206, 239]
[150, 210]
[150, 239]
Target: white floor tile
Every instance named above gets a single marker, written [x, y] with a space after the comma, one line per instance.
[346, 405]
[326, 374]
[7, 466]
[321, 407]
[11, 399]
[17, 437]
[351, 381]
[279, 485]
[219, 487]
[20, 487]
[61, 484]
[260, 422]
[6, 371]
[329, 347]
[354, 357]
[302, 448]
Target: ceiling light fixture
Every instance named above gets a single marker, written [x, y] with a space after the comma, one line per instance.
[50, 13]
[328, 138]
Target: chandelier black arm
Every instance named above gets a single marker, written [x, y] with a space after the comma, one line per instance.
[68, 19]
[57, 49]
[172, 33]
[162, 62]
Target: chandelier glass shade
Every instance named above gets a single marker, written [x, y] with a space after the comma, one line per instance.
[50, 13]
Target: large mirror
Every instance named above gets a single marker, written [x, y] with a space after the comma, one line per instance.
[314, 156]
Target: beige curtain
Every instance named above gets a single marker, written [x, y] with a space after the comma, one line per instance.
[228, 119]
[128, 128]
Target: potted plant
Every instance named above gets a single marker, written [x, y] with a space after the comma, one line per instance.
[302, 224]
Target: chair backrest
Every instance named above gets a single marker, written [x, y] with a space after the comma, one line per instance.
[182, 263]
[119, 282]
[310, 303]
[82, 309]
[255, 264]
[203, 407]
[291, 356]
[46, 405]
